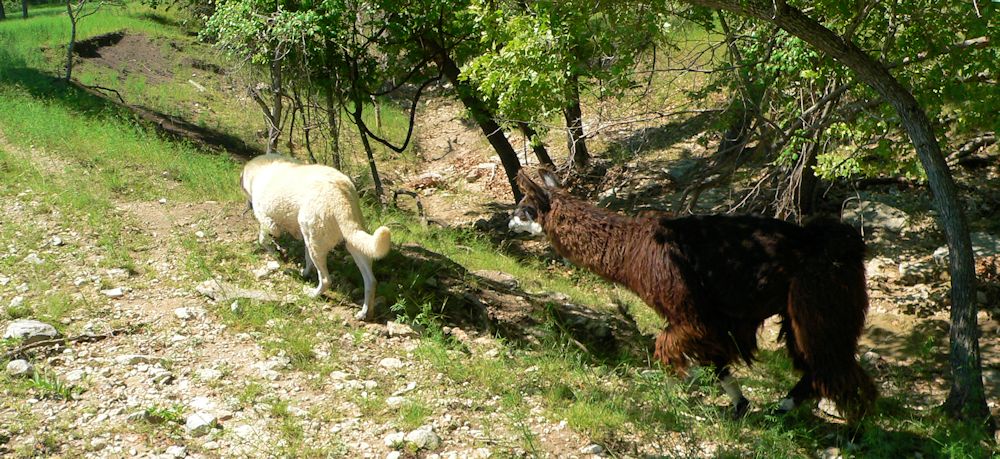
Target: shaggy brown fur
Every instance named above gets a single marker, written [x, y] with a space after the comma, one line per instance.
[717, 278]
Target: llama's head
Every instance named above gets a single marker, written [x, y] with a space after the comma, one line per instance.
[529, 215]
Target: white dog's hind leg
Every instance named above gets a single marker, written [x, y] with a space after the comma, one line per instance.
[367, 311]
[319, 262]
[308, 268]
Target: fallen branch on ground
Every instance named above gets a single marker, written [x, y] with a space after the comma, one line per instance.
[86, 338]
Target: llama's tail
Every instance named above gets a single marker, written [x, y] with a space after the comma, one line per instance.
[826, 307]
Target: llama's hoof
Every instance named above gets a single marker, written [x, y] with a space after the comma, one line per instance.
[305, 272]
[363, 315]
[785, 406]
[741, 408]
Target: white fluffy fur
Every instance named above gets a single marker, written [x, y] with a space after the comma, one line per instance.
[319, 205]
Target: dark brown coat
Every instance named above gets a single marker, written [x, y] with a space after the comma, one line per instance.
[716, 279]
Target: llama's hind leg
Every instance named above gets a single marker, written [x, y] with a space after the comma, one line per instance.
[732, 388]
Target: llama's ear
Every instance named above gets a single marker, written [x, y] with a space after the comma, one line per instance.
[549, 178]
[528, 186]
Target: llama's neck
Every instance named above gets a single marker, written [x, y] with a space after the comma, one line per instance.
[594, 238]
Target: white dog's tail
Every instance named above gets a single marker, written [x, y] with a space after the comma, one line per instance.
[375, 245]
[352, 226]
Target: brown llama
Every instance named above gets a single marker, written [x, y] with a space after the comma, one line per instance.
[716, 279]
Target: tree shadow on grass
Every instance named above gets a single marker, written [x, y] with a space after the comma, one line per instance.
[423, 283]
[94, 104]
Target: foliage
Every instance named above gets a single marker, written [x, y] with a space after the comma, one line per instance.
[534, 52]
[920, 41]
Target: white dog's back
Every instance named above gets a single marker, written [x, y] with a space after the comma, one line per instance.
[319, 205]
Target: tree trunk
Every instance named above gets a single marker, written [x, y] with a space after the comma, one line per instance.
[967, 399]
[24, 9]
[493, 132]
[359, 122]
[3, 14]
[575, 142]
[274, 129]
[331, 120]
[536, 145]
[72, 39]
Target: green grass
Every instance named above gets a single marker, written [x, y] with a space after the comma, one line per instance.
[81, 158]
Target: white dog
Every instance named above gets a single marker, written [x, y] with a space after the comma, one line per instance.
[319, 205]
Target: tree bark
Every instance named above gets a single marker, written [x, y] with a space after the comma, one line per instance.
[274, 127]
[493, 132]
[966, 399]
[359, 122]
[575, 141]
[72, 38]
[536, 144]
[24, 9]
[331, 120]
[3, 14]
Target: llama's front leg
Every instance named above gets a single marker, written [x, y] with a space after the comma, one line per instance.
[802, 392]
[732, 389]
[367, 312]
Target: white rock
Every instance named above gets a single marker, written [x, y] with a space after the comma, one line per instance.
[30, 331]
[202, 404]
[20, 368]
[208, 374]
[16, 301]
[199, 234]
[393, 455]
[117, 273]
[33, 259]
[394, 402]
[394, 439]
[97, 444]
[423, 438]
[390, 363]
[200, 423]
[210, 445]
[56, 241]
[4, 280]
[22, 288]
[116, 292]
[75, 375]
[187, 313]
[398, 329]
[244, 431]
[163, 200]
[338, 375]
[176, 451]
[592, 449]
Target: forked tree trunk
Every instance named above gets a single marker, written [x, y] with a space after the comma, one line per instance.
[493, 132]
[359, 122]
[967, 398]
[536, 145]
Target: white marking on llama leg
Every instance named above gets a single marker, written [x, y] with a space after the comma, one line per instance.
[732, 389]
[786, 405]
